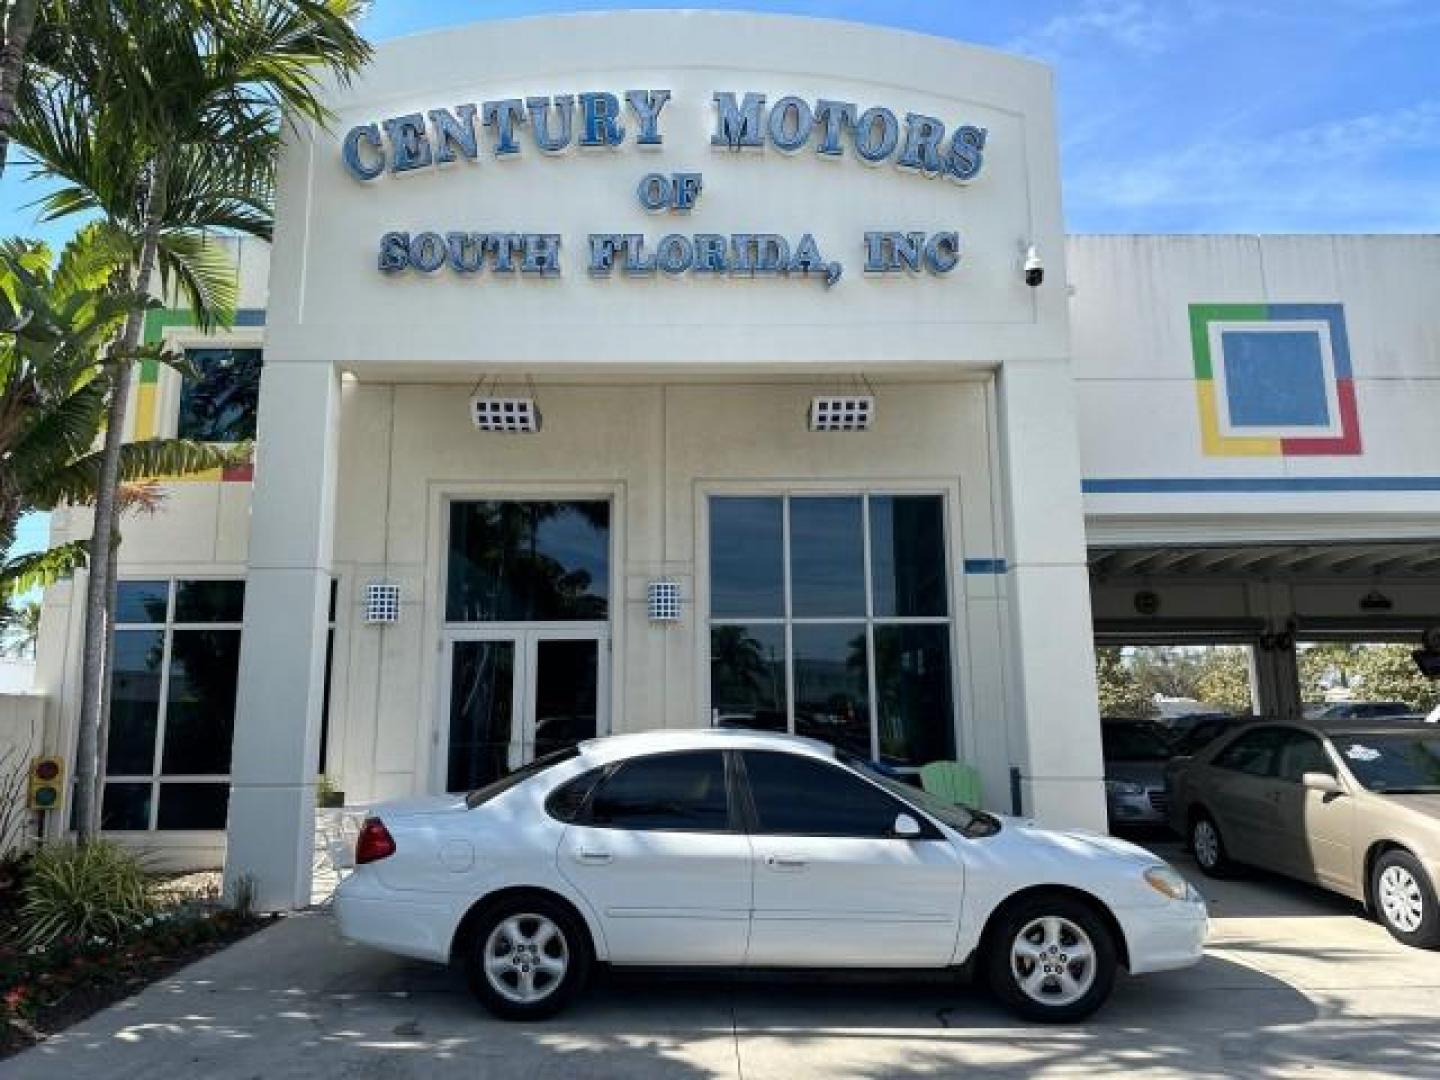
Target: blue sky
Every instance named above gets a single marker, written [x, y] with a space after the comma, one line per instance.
[1176, 115]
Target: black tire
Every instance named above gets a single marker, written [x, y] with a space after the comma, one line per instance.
[1008, 972]
[531, 960]
[1410, 911]
[1207, 847]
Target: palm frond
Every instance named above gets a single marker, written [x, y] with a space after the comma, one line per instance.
[148, 459]
[38, 569]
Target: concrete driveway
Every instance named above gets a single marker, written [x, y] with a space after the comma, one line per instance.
[1296, 983]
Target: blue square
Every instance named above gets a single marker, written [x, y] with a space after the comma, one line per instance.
[1275, 378]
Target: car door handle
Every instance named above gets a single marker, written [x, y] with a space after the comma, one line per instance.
[785, 862]
[592, 858]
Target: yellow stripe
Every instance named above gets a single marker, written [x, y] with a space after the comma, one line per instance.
[145, 412]
[1217, 445]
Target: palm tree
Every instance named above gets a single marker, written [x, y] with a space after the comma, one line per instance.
[166, 116]
[19, 22]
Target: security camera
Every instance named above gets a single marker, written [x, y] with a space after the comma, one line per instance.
[1034, 268]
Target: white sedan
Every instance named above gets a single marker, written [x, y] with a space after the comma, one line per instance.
[742, 849]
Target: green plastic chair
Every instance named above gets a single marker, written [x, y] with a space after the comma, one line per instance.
[953, 781]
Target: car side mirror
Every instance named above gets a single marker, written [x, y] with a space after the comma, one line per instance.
[1323, 783]
[906, 826]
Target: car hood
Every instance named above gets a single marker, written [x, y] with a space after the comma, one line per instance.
[1080, 842]
[420, 806]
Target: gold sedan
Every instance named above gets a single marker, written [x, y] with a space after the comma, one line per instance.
[1353, 806]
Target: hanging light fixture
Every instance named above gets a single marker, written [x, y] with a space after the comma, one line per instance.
[509, 414]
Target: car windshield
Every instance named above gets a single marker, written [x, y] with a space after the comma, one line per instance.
[1393, 763]
[1134, 742]
[482, 795]
[967, 820]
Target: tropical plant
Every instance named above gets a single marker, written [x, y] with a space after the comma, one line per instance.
[165, 116]
[81, 891]
[19, 631]
[1120, 691]
[17, 21]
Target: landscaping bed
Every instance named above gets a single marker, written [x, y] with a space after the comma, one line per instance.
[45, 988]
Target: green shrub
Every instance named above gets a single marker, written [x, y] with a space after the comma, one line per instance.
[81, 892]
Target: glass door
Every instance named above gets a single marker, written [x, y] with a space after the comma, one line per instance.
[514, 694]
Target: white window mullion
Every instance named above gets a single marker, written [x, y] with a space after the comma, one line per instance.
[870, 630]
[789, 634]
[162, 706]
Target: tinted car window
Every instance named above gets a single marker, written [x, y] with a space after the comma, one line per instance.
[1252, 753]
[1300, 753]
[567, 800]
[667, 792]
[482, 795]
[1398, 763]
[1134, 742]
[800, 796]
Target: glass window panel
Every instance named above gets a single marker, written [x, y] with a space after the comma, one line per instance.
[200, 705]
[912, 690]
[747, 558]
[209, 601]
[907, 555]
[325, 702]
[141, 601]
[668, 792]
[193, 806]
[134, 702]
[832, 697]
[220, 406]
[524, 561]
[566, 692]
[1253, 753]
[798, 796]
[125, 806]
[827, 557]
[482, 685]
[747, 676]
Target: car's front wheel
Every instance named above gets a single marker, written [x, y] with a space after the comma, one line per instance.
[1052, 958]
[526, 957]
[1405, 900]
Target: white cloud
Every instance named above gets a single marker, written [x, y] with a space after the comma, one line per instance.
[1140, 26]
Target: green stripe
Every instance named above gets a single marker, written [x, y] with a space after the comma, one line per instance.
[1201, 315]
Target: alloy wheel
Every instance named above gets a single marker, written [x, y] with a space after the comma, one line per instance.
[1205, 842]
[1401, 899]
[1053, 961]
[526, 957]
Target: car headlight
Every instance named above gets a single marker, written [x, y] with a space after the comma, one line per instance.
[1124, 787]
[1168, 883]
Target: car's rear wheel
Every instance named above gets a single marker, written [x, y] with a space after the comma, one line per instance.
[526, 957]
[1405, 900]
[1207, 848]
[1052, 959]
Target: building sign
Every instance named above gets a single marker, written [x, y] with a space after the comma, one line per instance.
[511, 128]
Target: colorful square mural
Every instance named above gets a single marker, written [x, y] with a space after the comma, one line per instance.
[1273, 380]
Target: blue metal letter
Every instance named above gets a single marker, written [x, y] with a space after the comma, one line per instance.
[967, 154]
[737, 127]
[601, 113]
[427, 253]
[867, 145]
[790, 124]
[540, 121]
[646, 105]
[923, 135]
[942, 252]
[350, 151]
[835, 115]
[503, 116]
[542, 254]
[454, 132]
[409, 145]
[394, 252]
[687, 189]
[653, 191]
[674, 254]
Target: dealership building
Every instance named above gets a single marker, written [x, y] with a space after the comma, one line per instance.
[643, 370]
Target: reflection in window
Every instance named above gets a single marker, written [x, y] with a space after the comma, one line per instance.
[172, 704]
[220, 406]
[528, 561]
[747, 676]
[856, 653]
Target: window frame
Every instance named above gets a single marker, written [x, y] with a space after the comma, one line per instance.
[585, 815]
[1293, 734]
[955, 605]
[157, 777]
[745, 790]
[215, 345]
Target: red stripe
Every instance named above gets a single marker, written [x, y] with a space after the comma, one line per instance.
[1349, 440]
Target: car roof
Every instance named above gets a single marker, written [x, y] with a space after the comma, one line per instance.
[1338, 727]
[614, 747]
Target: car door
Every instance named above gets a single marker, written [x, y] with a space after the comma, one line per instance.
[1239, 790]
[834, 885]
[659, 854]
[1315, 828]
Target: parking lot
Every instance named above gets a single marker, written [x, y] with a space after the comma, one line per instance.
[1296, 983]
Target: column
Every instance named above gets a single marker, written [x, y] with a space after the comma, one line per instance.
[282, 651]
[1054, 706]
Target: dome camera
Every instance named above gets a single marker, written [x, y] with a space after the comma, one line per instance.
[1034, 268]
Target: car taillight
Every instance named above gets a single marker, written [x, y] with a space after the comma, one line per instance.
[374, 842]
